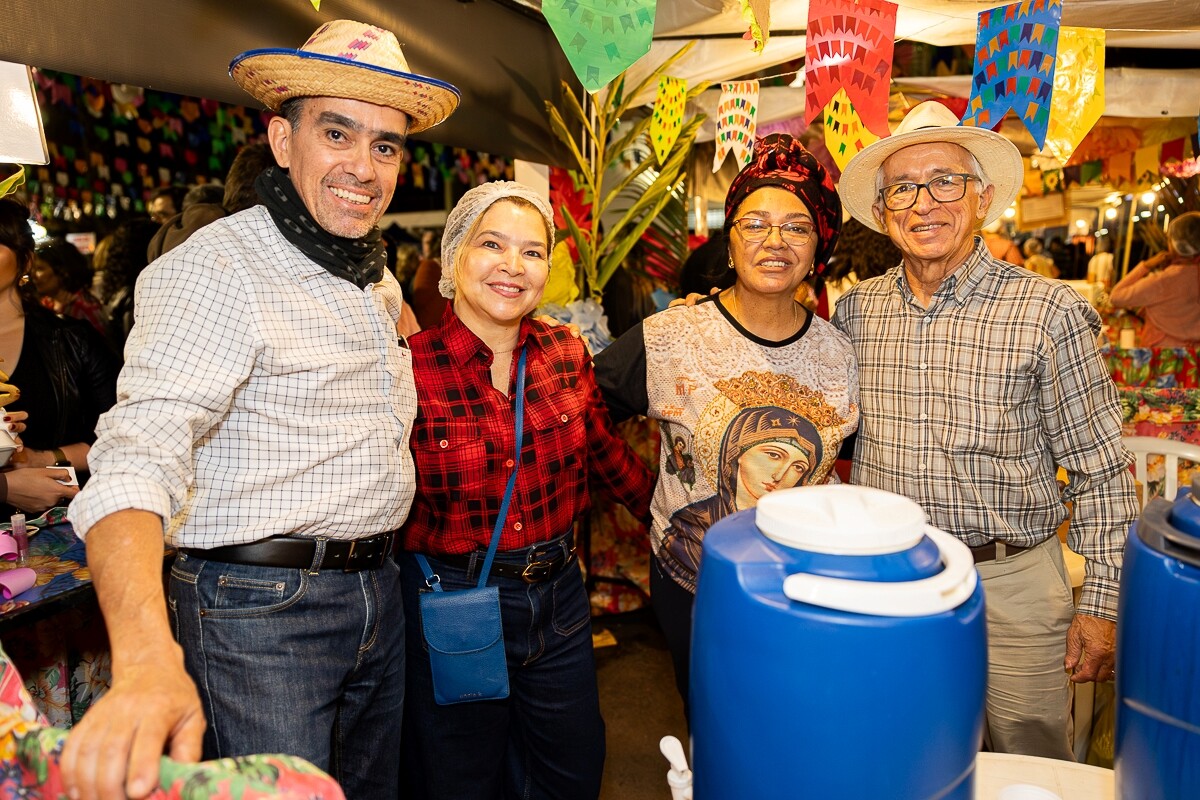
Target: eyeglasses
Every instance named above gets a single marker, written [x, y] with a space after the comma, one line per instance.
[943, 188]
[796, 234]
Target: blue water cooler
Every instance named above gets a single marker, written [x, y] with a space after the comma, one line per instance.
[1157, 737]
[838, 651]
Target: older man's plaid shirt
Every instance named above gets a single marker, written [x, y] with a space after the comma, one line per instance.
[969, 406]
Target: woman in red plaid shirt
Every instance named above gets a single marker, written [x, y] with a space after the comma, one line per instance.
[546, 740]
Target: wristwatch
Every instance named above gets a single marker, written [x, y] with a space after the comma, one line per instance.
[60, 458]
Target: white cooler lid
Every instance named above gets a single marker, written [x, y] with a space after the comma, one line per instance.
[840, 519]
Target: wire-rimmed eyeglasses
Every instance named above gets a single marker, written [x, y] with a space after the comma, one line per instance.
[754, 229]
[943, 188]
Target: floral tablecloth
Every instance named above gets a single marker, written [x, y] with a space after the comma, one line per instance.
[64, 657]
[1164, 414]
[1156, 367]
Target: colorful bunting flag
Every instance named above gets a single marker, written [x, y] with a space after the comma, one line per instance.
[1078, 100]
[601, 38]
[845, 133]
[667, 118]
[1120, 169]
[316, 4]
[757, 15]
[1015, 47]
[849, 47]
[737, 118]
[1145, 165]
[12, 182]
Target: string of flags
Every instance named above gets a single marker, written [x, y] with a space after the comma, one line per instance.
[1049, 76]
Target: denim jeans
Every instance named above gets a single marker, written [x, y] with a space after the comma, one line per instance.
[287, 661]
[547, 739]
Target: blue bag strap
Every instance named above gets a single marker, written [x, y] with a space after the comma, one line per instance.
[436, 585]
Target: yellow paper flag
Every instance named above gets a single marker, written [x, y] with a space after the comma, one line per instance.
[1078, 99]
[12, 182]
[845, 133]
[757, 16]
[667, 119]
[316, 4]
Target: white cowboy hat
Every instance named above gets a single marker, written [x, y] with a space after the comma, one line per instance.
[346, 59]
[933, 122]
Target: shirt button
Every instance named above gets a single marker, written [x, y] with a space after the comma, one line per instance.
[517, 526]
[508, 463]
[564, 418]
[924, 415]
[923, 365]
[922, 468]
[443, 444]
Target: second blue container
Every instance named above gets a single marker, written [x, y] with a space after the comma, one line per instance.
[1157, 736]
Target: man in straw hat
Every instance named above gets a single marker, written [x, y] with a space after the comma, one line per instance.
[264, 416]
[979, 379]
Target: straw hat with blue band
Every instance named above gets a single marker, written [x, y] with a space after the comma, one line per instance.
[933, 122]
[347, 59]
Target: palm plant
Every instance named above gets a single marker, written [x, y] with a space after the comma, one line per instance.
[636, 198]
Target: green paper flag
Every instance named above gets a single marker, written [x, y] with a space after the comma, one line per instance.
[601, 38]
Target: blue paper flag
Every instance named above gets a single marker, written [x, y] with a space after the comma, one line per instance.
[1015, 49]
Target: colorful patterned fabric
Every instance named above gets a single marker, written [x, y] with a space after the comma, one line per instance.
[1163, 414]
[64, 657]
[618, 558]
[1154, 367]
[30, 752]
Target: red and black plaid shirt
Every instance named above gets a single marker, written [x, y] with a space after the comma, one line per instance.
[463, 446]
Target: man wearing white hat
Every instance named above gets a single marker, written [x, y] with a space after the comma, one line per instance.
[979, 379]
[262, 427]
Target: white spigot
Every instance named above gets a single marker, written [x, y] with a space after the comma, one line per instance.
[679, 777]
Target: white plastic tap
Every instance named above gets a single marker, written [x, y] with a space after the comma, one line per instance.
[679, 777]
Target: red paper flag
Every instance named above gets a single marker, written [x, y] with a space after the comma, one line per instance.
[850, 47]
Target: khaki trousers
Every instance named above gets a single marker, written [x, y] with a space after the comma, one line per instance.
[1029, 609]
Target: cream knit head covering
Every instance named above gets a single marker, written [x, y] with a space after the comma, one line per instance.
[471, 207]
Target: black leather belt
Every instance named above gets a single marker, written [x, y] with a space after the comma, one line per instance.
[297, 552]
[535, 570]
[987, 552]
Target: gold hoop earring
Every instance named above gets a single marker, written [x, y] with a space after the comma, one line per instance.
[731, 261]
[25, 279]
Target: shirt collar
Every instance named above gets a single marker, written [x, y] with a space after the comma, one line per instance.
[462, 344]
[958, 284]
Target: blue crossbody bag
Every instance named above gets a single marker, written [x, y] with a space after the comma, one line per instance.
[462, 629]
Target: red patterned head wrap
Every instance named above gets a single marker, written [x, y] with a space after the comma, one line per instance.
[780, 160]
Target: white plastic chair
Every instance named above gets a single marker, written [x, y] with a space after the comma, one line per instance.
[1143, 447]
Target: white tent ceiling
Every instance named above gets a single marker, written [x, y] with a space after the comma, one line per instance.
[721, 53]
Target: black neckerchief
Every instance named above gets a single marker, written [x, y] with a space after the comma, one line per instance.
[359, 261]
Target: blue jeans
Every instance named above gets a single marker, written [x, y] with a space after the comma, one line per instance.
[287, 661]
[547, 739]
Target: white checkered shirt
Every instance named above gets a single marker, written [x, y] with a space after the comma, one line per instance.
[261, 395]
[970, 405]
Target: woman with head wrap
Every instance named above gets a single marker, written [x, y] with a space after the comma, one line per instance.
[1167, 288]
[699, 369]
[546, 740]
